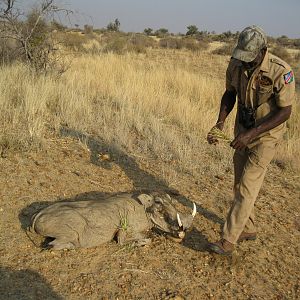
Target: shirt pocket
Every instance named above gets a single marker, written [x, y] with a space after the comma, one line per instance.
[265, 89]
[264, 93]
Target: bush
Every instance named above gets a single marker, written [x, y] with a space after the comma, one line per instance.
[142, 40]
[162, 32]
[8, 51]
[114, 26]
[148, 31]
[296, 43]
[226, 49]
[282, 53]
[116, 45]
[74, 40]
[33, 35]
[192, 29]
[88, 29]
[297, 57]
[283, 41]
[171, 43]
[194, 45]
[57, 26]
[179, 43]
[120, 43]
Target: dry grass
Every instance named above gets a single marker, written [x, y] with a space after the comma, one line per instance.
[160, 104]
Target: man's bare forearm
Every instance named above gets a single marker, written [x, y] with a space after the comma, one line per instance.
[244, 138]
[227, 104]
[280, 117]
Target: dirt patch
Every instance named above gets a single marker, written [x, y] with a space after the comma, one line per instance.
[268, 268]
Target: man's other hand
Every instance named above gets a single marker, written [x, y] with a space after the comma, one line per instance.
[243, 139]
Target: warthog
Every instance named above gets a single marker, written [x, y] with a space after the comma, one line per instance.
[124, 217]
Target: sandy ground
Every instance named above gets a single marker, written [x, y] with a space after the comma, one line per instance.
[268, 268]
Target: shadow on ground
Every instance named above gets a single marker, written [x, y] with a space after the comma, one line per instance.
[141, 179]
[25, 285]
[195, 240]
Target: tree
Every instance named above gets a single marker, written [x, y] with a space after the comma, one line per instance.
[148, 31]
[32, 35]
[114, 26]
[228, 34]
[192, 29]
[88, 29]
[161, 32]
[57, 26]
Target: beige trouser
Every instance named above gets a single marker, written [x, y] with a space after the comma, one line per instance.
[249, 171]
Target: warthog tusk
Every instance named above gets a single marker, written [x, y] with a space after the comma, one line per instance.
[179, 221]
[194, 210]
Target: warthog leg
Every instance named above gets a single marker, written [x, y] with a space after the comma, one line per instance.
[137, 239]
[58, 244]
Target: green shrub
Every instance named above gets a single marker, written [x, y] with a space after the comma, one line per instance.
[192, 29]
[148, 31]
[161, 33]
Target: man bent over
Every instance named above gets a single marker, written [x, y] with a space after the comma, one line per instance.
[263, 86]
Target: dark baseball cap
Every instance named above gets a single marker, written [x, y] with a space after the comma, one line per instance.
[251, 40]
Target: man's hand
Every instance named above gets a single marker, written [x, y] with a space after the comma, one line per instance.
[213, 140]
[227, 104]
[243, 139]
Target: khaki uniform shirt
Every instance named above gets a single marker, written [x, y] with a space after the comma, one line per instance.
[271, 86]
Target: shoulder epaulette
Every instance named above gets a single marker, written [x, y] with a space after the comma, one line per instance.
[278, 62]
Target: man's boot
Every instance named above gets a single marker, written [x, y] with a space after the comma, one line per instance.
[247, 236]
[222, 247]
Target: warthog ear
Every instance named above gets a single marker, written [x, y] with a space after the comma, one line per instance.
[146, 200]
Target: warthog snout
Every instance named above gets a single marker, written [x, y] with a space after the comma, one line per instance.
[186, 223]
[165, 217]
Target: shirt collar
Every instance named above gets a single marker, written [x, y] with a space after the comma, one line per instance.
[265, 63]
